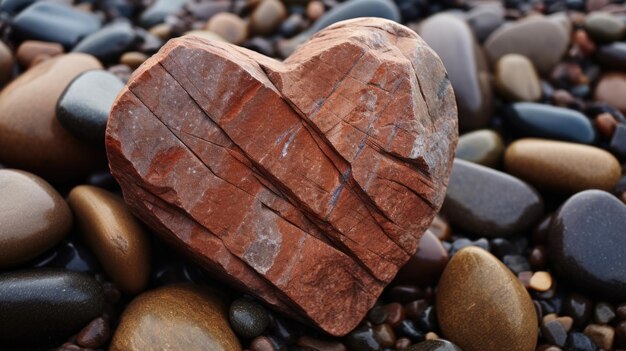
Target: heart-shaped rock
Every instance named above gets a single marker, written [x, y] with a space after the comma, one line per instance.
[306, 183]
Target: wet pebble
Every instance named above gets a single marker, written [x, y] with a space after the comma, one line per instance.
[612, 56]
[94, 334]
[54, 22]
[248, 318]
[474, 201]
[586, 243]
[426, 265]
[33, 217]
[484, 147]
[362, 339]
[180, 315]
[516, 78]
[115, 236]
[604, 27]
[109, 43]
[529, 119]
[502, 315]
[561, 166]
[83, 108]
[43, 307]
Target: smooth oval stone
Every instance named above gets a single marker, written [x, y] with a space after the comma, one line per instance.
[490, 203]
[481, 305]
[33, 217]
[604, 27]
[114, 235]
[248, 318]
[228, 26]
[529, 119]
[84, 107]
[343, 11]
[267, 17]
[433, 345]
[156, 13]
[612, 56]
[43, 307]
[610, 89]
[516, 78]
[31, 138]
[14, 6]
[109, 43]
[454, 42]
[179, 316]
[560, 166]
[586, 243]
[425, 266]
[540, 39]
[6, 63]
[485, 18]
[48, 21]
[484, 147]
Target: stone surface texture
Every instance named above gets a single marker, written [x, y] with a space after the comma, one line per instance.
[306, 183]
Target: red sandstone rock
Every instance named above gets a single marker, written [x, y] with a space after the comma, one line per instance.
[307, 183]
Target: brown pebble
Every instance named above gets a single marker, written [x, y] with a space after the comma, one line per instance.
[538, 257]
[29, 50]
[584, 43]
[385, 335]
[606, 124]
[133, 59]
[563, 98]
[95, 334]
[262, 343]
[228, 26]
[314, 10]
[602, 335]
[267, 16]
[425, 266]
[395, 313]
[114, 235]
[440, 228]
[162, 31]
[402, 343]
[541, 281]
[620, 311]
[549, 317]
[610, 89]
[431, 336]
[516, 78]
[566, 321]
[548, 348]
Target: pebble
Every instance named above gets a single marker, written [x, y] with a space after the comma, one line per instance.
[586, 243]
[179, 316]
[516, 78]
[604, 27]
[95, 334]
[115, 236]
[579, 342]
[6, 63]
[560, 166]
[133, 59]
[248, 318]
[83, 108]
[385, 335]
[315, 9]
[34, 51]
[541, 281]
[484, 19]
[54, 22]
[228, 26]
[554, 332]
[606, 125]
[603, 313]
[267, 16]
[31, 138]
[43, 307]
[484, 147]
[612, 56]
[343, 11]
[425, 266]
[70, 254]
[474, 201]
[454, 42]
[33, 217]
[482, 306]
[579, 307]
[601, 335]
[610, 89]
[316, 344]
[362, 339]
[109, 43]
[434, 345]
[618, 141]
[538, 38]
[158, 11]
[530, 119]
[262, 343]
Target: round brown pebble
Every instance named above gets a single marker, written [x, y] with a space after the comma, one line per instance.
[561, 166]
[482, 306]
[541, 281]
[610, 89]
[228, 26]
[426, 265]
[262, 343]
[31, 137]
[176, 316]
[440, 228]
[30, 50]
[33, 217]
[95, 334]
[602, 335]
[114, 235]
[267, 16]
[516, 78]
[133, 59]
[314, 10]
[6, 63]
[605, 124]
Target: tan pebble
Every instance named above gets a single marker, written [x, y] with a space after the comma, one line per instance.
[228, 26]
[602, 335]
[30, 50]
[205, 34]
[541, 281]
[605, 124]
[610, 89]
[440, 228]
[162, 31]
[561, 166]
[314, 10]
[516, 78]
[114, 235]
[267, 16]
[180, 317]
[567, 322]
[549, 317]
[432, 336]
[33, 217]
[133, 59]
[482, 306]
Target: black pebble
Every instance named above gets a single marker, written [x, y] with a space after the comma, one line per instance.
[248, 318]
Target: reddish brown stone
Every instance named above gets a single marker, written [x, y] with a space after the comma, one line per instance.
[307, 183]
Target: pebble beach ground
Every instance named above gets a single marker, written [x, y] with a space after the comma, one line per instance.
[527, 253]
